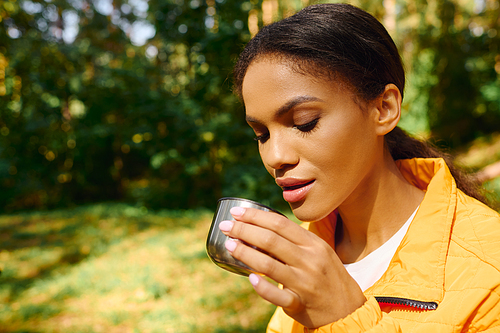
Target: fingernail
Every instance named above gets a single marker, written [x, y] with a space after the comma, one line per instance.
[237, 211]
[226, 225]
[230, 245]
[254, 279]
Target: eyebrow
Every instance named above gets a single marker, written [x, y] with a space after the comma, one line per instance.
[288, 106]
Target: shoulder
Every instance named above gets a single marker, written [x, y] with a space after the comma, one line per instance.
[473, 262]
[476, 231]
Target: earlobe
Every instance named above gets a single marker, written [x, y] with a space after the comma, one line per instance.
[388, 109]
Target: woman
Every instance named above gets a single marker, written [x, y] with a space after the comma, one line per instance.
[393, 240]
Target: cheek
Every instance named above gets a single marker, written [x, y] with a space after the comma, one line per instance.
[343, 145]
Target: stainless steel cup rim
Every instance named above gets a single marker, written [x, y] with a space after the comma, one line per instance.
[252, 202]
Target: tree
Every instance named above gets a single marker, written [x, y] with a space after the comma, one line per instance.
[117, 100]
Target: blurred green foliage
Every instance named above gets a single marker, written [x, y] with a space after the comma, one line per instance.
[90, 112]
[454, 78]
[99, 118]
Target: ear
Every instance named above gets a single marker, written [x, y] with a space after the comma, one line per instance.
[388, 109]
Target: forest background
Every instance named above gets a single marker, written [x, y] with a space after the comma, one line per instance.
[132, 100]
[119, 131]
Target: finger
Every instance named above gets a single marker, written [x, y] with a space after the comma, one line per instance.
[271, 221]
[259, 261]
[265, 240]
[271, 293]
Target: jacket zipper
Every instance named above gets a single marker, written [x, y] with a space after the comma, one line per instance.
[407, 302]
[401, 301]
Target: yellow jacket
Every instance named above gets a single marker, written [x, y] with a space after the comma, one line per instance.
[445, 273]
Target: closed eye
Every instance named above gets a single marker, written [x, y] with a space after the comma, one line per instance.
[307, 127]
[262, 138]
[304, 128]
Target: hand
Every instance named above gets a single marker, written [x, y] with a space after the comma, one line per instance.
[317, 290]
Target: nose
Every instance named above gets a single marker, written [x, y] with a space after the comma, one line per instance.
[279, 153]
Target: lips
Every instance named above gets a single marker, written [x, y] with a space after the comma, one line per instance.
[295, 189]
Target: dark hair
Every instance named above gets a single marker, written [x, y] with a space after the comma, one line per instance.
[342, 41]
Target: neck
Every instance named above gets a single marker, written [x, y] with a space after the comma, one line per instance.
[379, 207]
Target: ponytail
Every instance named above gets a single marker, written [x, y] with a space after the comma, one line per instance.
[402, 146]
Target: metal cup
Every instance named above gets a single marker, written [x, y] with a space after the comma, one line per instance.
[216, 249]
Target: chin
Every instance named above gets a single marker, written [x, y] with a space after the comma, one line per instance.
[310, 213]
[307, 216]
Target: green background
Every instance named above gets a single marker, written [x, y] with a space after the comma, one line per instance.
[114, 150]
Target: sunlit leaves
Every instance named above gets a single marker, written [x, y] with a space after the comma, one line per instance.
[462, 38]
[103, 99]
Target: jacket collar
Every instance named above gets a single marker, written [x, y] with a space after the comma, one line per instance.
[417, 269]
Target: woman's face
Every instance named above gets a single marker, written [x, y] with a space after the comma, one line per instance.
[314, 139]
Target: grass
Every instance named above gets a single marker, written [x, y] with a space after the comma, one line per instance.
[116, 268]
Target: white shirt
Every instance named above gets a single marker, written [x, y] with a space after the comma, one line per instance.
[368, 270]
